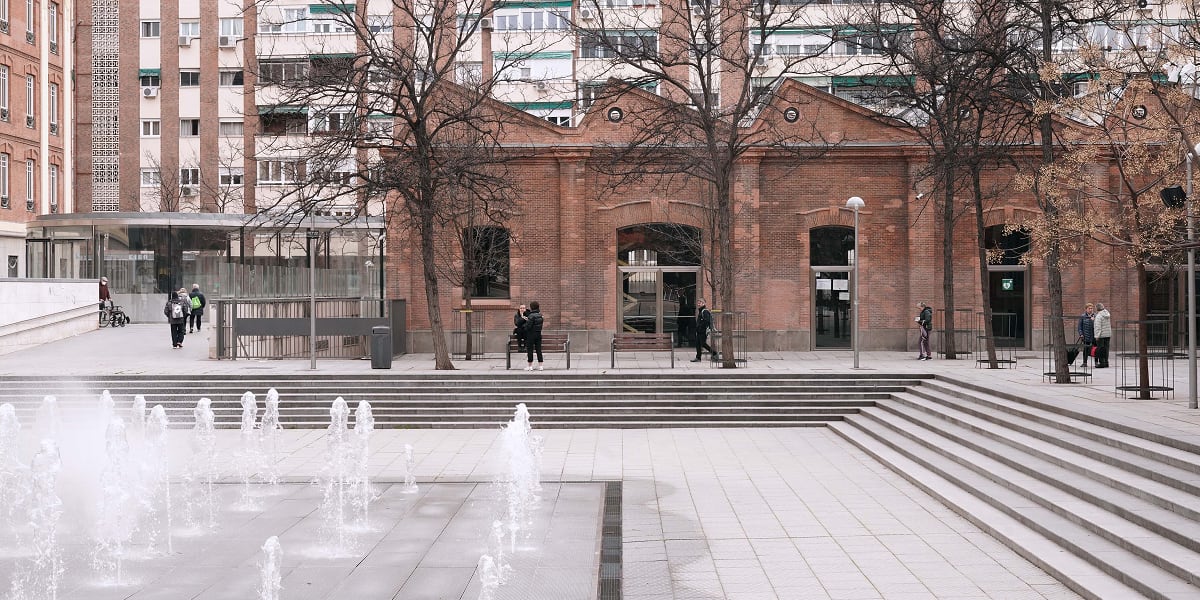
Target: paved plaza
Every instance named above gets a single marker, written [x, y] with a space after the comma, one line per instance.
[747, 513]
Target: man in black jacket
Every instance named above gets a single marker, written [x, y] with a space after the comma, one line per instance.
[533, 335]
[198, 302]
[925, 322]
[703, 323]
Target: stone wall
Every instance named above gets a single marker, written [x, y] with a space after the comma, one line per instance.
[36, 311]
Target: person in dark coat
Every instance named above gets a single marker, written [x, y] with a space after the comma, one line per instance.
[1087, 331]
[198, 302]
[519, 321]
[533, 335]
[925, 322]
[176, 310]
[105, 295]
[703, 323]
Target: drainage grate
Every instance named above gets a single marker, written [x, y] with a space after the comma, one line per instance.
[610, 543]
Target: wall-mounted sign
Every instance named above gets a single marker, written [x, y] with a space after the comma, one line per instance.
[791, 114]
[1140, 112]
[1006, 284]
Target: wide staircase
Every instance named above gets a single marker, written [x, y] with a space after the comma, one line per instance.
[487, 400]
[1110, 510]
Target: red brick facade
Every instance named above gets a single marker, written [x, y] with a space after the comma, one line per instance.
[564, 253]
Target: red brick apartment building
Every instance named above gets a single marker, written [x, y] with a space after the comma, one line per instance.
[589, 254]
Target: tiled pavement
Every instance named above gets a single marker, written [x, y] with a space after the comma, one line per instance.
[708, 513]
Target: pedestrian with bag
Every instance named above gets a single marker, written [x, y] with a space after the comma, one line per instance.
[176, 310]
[1103, 329]
[197, 303]
[704, 321]
[533, 335]
[925, 324]
[1087, 331]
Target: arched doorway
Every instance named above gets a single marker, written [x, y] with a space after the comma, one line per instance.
[1008, 285]
[831, 254]
[659, 272]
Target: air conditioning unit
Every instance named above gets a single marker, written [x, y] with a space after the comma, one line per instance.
[185, 40]
[3, 25]
[29, 37]
[586, 14]
[29, 122]
[485, 23]
[54, 129]
[4, 114]
[761, 61]
[226, 41]
[188, 190]
[150, 91]
[541, 85]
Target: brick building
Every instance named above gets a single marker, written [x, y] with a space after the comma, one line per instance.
[600, 260]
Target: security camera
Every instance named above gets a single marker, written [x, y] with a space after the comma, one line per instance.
[920, 195]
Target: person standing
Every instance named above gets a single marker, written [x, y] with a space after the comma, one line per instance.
[1103, 328]
[703, 323]
[925, 323]
[105, 295]
[519, 320]
[533, 335]
[176, 310]
[198, 302]
[1087, 331]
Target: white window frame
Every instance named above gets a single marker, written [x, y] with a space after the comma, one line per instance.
[151, 178]
[4, 10]
[31, 95]
[52, 18]
[53, 91]
[151, 128]
[232, 27]
[322, 122]
[232, 176]
[278, 171]
[224, 126]
[53, 185]
[189, 176]
[4, 160]
[154, 27]
[30, 180]
[3, 85]
[30, 16]
[292, 21]
[189, 29]
[186, 128]
[230, 74]
[181, 74]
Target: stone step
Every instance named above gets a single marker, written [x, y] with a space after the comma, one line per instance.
[1111, 512]
[1084, 578]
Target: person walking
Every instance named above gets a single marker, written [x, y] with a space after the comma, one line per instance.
[1103, 328]
[925, 324]
[198, 302]
[1087, 331]
[176, 310]
[519, 321]
[533, 335]
[703, 323]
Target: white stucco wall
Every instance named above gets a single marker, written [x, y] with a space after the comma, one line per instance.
[36, 311]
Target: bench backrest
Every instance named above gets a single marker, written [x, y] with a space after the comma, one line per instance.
[548, 339]
[622, 341]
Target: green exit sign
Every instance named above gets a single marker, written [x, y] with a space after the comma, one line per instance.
[1006, 284]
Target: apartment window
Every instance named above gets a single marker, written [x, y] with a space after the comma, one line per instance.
[52, 25]
[861, 45]
[282, 71]
[189, 127]
[54, 186]
[331, 122]
[563, 121]
[377, 23]
[231, 27]
[283, 124]
[150, 80]
[151, 29]
[151, 128]
[189, 176]
[290, 20]
[30, 183]
[189, 78]
[339, 25]
[231, 129]
[30, 15]
[3, 86]
[189, 29]
[279, 172]
[150, 178]
[588, 92]
[4, 178]
[231, 176]
[610, 44]
[532, 20]
[231, 78]
[54, 105]
[30, 95]
[4, 14]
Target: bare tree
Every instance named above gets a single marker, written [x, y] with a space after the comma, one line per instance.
[167, 191]
[718, 83]
[400, 123]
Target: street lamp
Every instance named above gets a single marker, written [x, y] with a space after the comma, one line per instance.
[314, 239]
[1191, 281]
[855, 203]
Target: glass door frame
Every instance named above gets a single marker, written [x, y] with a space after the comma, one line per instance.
[812, 302]
[658, 290]
[1027, 298]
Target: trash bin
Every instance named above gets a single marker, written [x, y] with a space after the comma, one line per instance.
[381, 347]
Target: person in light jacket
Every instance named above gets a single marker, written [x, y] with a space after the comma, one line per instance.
[1103, 327]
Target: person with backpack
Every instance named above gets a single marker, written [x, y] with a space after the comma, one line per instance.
[198, 302]
[176, 310]
[533, 335]
[704, 321]
[925, 323]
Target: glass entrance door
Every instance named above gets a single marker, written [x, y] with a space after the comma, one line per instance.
[658, 301]
[831, 310]
[1007, 292]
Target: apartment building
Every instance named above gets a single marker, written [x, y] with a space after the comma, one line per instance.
[36, 56]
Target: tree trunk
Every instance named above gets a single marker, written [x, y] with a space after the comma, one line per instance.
[726, 263]
[467, 322]
[985, 283]
[437, 330]
[1143, 336]
[1054, 288]
[948, 329]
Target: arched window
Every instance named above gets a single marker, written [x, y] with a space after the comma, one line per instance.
[831, 246]
[485, 264]
[658, 245]
[1005, 248]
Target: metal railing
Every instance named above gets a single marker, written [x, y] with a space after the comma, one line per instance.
[278, 328]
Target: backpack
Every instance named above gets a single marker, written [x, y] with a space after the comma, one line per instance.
[176, 310]
[195, 302]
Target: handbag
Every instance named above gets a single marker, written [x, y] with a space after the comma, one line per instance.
[1072, 353]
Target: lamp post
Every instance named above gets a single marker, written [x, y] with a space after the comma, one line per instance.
[313, 244]
[855, 203]
[1191, 282]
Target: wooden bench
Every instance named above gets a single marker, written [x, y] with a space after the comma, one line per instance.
[551, 343]
[641, 342]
